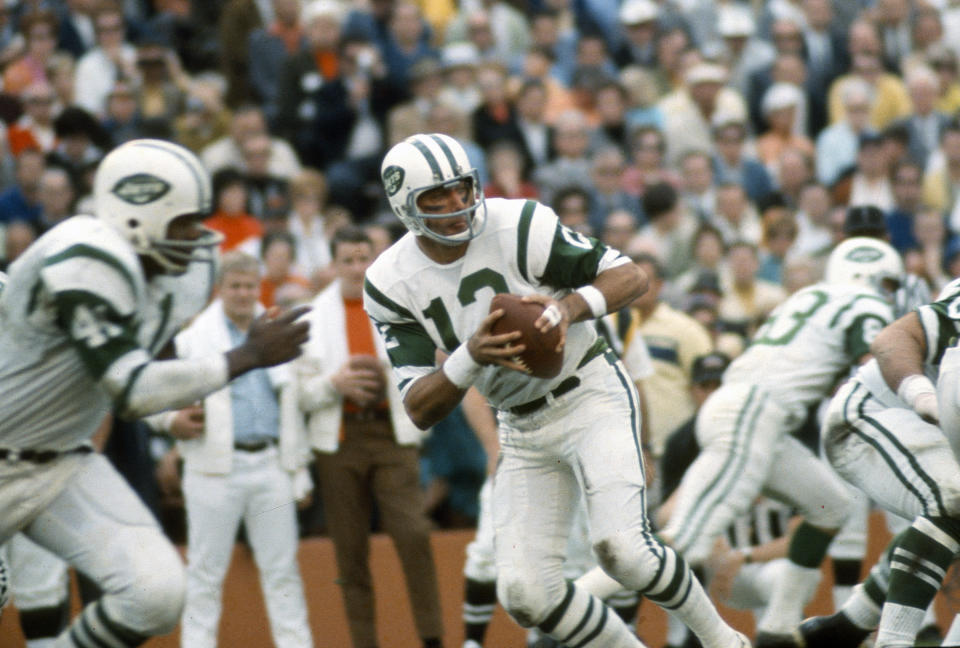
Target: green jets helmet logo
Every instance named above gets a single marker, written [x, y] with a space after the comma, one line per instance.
[393, 179]
[140, 189]
[864, 254]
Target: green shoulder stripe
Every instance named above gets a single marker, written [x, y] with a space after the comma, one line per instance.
[574, 259]
[98, 254]
[385, 301]
[99, 334]
[849, 305]
[523, 236]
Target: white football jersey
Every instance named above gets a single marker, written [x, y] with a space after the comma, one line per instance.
[76, 301]
[419, 305]
[810, 341]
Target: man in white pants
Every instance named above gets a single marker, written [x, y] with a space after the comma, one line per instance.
[86, 310]
[246, 461]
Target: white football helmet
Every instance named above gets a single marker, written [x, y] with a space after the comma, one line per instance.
[424, 162]
[867, 262]
[142, 186]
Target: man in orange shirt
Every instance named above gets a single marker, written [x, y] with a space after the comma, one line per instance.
[366, 447]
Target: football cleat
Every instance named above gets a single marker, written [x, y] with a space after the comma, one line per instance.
[834, 631]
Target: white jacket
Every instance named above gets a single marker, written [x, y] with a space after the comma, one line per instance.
[324, 354]
[212, 453]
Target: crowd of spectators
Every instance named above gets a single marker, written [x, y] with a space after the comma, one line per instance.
[723, 139]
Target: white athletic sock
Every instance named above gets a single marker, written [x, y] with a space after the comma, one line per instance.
[840, 595]
[583, 620]
[953, 634]
[862, 610]
[792, 591]
[898, 625]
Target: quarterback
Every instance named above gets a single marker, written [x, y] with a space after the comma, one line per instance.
[86, 310]
[793, 361]
[574, 435]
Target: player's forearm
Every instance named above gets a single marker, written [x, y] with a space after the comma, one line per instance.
[900, 350]
[166, 384]
[619, 286]
[431, 398]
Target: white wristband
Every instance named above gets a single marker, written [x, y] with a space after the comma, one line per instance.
[914, 386]
[595, 300]
[460, 368]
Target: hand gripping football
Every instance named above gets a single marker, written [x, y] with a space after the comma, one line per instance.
[540, 356]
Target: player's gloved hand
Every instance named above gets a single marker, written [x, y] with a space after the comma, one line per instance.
[920, 394]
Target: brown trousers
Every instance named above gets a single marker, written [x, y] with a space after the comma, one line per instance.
[371, 467]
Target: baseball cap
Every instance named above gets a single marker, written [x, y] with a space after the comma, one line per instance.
[865, 220]
[706, 73]
[781, 95]
[709, 367]
[735, 21]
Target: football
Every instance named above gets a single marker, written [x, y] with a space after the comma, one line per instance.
[540, 355]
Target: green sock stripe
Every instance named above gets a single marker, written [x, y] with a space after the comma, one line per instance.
[809, 545]
[918, 543]
[876, 593]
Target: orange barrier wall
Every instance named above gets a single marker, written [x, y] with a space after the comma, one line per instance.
[245, 625]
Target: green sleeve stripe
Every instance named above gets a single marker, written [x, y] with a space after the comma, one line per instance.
[165, 308]
[120, 405]
[447, 154]
[574, 259]
[90, 252]
[408, 345]
[523, 237]
[855, 345]
[840, 313]
[385, 301]
[403, 383]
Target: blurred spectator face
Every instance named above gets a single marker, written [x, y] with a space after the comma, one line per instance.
[780, 231]
[648, 300]
[908, 187]
[697, 173]
[835, 221]
[815, 203]
[743, 264]
[648, 150]
[781, 120]
[945, 65]
[892, 12]
[571, 137]
[381, 238]
[38, 99]
[60, 73]
[591, 51]
[56, 194]
[247, 123]
[233, 199]
[505, 162]
[819, 13]
[914, 262]
[611, 105]
[923, 94]
[798, 273]
[19, 236]
[350, 262]
[491, 82]
[479, 31]
[122, 103]
[608, 167]
[532, 104]
[795, 171]
[708, 248]
[572, 211]
[152, 63]
[41, 40]
[790, 68]
[323, 32]
[858, 113]
[786, 37]
[872, 160]
[446, 119]
[728, 142]
[239, 292]
[929, 228]
[536, 64]
[406, 24]
[544, 31]
[867, 65]
[256, 155]
[277, 259]
[670, 47]
[927, 29]
[110, 29]
[30, 166]
[618, 229]
[641, 34]
[705, 95]
[731, 203]
[287, 12]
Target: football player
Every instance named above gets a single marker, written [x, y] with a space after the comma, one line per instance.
[743, 428]
[562, 438]
[86, 310]
[881, 434]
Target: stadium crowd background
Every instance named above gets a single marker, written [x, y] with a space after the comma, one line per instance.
[726, 139]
